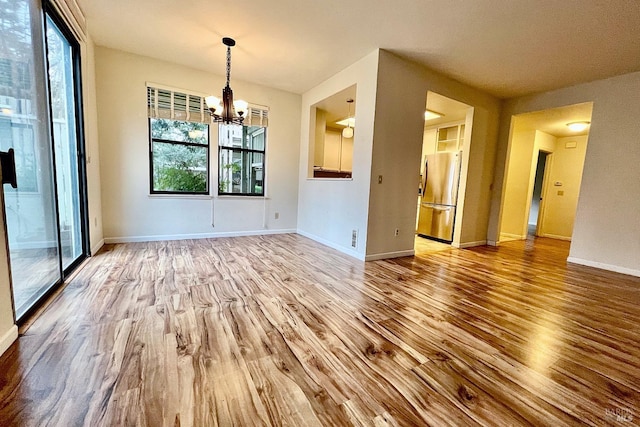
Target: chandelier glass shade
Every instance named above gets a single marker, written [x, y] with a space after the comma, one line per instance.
[348, 131]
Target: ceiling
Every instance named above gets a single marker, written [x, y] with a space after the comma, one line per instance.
[554, 121]
[451, 110]
[505, 47]
[336, 107]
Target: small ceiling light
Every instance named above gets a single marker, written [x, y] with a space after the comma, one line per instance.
[348, 131]
[6, 110]
[430, 115]
[222, 111]
[578, 126]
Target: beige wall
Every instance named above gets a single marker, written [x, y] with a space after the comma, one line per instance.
[428, 144]
[397, 150]
[130, 213]
[320, 127]
[401, 99]
[8, 329]
[524, 148]
[332, 148]
[561, 201]
[606, 233]
[516, 189]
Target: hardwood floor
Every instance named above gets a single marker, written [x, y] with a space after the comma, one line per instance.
[279, 330]
[424, 246]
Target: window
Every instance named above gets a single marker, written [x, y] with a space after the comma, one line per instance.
[179, 141]
[179, 156]
[6, 75]
[179, 132]
[241, 153]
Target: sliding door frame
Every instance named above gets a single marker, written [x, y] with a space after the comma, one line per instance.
[48, 10]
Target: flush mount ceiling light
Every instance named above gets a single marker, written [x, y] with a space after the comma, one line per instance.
[430, 115]
[347, 122]
[227, 111]
[578, 126]
[348, 131]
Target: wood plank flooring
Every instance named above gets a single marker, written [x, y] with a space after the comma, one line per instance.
[280, 330]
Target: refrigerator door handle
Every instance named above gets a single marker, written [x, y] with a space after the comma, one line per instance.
[426, 174]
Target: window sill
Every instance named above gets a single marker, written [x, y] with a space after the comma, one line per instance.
[328, 179]
[226, 196]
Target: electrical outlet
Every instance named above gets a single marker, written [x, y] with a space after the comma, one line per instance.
[277, 215]
[354, 238]
[396, 232]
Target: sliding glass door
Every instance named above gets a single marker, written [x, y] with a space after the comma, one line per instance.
[60, 56]
[38, 119]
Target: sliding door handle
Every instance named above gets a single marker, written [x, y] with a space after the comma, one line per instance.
[8, 165]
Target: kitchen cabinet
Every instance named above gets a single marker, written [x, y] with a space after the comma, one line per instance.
[450, 138]
[337, 156]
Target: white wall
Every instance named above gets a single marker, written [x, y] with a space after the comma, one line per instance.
[607, 230]
[130, 213]
[329, 209]
[94, 192]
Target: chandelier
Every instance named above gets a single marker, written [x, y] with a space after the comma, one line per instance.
[227, 110]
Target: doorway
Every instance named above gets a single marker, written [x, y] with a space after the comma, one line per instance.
[40, 119]
[544, 172]
[536, 199]
[447, 130]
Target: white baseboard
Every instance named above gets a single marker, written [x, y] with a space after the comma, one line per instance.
[8, 338]
[470, 244]
[335, 246]
[155, 238]
[388, 255]
[96, 248]
[493, 243]
[554, 236]
[604, 266]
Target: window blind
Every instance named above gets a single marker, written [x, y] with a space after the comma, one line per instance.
[165, 103]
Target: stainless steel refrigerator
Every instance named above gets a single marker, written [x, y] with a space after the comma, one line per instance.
[439, 195]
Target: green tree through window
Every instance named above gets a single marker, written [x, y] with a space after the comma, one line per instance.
[179, 157]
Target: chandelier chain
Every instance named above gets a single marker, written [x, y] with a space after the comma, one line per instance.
[228, 64]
